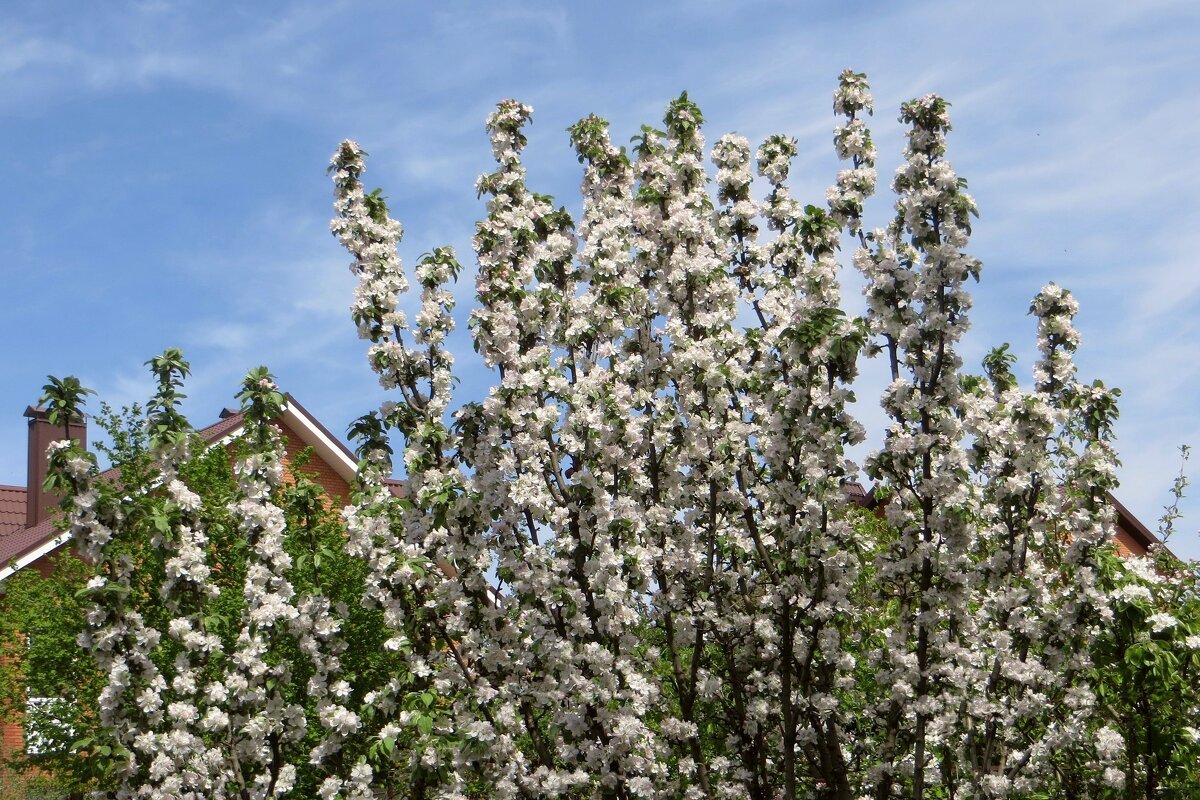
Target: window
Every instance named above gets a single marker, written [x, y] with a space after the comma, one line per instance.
[47, 725]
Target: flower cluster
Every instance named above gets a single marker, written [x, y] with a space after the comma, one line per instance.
[852, 141]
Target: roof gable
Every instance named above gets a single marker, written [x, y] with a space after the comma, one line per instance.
[330, 448]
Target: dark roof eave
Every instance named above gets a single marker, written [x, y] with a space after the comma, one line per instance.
[1128, 522]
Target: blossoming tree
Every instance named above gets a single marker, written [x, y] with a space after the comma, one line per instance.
[632, 569]
[223, 614]
[656, 583]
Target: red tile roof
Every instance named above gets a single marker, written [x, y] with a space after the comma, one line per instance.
[12, 509]
[17, 543]
[857, 494]
[229, 421]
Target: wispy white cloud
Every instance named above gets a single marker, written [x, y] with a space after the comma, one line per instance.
[169, 151]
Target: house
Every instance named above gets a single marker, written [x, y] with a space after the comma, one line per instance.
[29, 538]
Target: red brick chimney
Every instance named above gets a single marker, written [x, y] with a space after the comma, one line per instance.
[40, 504]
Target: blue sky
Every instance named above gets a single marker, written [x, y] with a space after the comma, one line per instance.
[164, 167]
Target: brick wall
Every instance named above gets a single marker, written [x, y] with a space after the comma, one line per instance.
[1127, 544]
[12, 738]
[335, 487]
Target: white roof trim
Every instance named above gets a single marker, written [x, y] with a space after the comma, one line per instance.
[330, 451]
[45, 548]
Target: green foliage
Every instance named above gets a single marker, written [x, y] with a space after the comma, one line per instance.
[370, 431]
[589, 136]
[260, 398]
[165, 424]
[683, 119]
[1147, 673]
[39, 658]
[1171, 513]
[63, 400]
[647, 143]
[19, 785]
[998, 366]
[376, 204]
